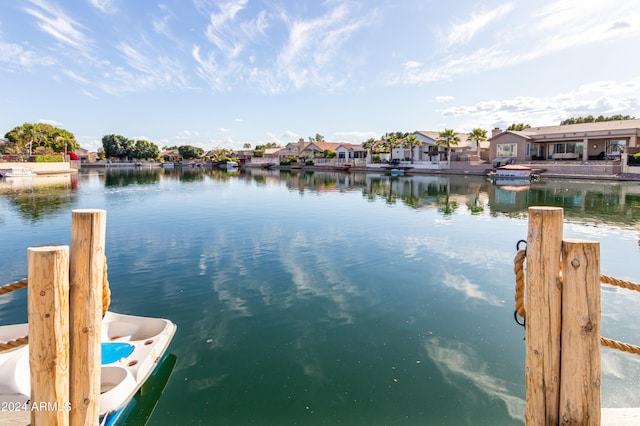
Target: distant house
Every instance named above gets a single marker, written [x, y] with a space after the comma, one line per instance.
[271, 153]
[347, 152]
[308, 150]
[170, 156]
[83, 154]
[431, 151]
[605, 140]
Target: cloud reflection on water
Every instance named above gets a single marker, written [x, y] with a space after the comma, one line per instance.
[461, 366]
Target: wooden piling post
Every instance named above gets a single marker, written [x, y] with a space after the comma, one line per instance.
[48, 307]
[87, 269]
[580, 391]
[543, 307]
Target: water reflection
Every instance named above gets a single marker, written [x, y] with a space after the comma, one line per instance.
[126, 177]
[593, 202]
[40, 196]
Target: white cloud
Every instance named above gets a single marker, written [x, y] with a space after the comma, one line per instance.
[599, 97]
[53, 123]
[558, 26]
[444, 98]
[58, 25]
[15, 56]
[464, 32]
[105, 6]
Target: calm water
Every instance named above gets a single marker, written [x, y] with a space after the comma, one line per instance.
[320, 298]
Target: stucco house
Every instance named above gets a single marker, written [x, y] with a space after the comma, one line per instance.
[347, 152]
[604, 141]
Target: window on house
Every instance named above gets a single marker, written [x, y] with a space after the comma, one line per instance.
[341, 154]
[506, 150]
[528, 150]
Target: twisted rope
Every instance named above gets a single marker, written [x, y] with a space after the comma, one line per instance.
[518, 269]
[16, 285]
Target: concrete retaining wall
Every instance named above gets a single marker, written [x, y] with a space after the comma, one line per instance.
[41, 168]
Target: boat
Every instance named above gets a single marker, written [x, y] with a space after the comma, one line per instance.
[512, 171]
[232, 165]
[396, 172]
[16, 172]
[132, 347]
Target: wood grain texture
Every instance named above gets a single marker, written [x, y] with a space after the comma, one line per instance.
[48, 304]
[543, 298]
[88, 234]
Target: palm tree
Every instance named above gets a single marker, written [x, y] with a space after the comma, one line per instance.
[448, 138]
[370, 145]
[411, 141]
[391, 143]
[246, 145]
[478, 135]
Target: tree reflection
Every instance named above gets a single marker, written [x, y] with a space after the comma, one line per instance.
[40, 199]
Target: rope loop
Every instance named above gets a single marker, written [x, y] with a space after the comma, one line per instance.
[518, 269]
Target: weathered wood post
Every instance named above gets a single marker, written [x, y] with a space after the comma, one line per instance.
[87, 269]
[580, 392]
[48, 307]
[543, 307]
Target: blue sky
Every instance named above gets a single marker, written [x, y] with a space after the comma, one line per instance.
[214, 73]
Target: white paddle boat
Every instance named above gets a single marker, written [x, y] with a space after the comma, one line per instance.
[131, 349]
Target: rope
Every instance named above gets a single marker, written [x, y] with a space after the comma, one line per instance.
[621, 346]
[518, 269]
[8, 288]
[16, 285]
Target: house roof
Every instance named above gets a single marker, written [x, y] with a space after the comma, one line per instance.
[433, 135]
[350, 146]
[567, 131]
[331, 146]
[586, 127]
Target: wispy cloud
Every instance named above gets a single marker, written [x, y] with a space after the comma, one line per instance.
[105, 6]
[15, 56]
[558, 26]
[144, 71]
[462, 33]
[218, 31]
[57, 24]
[314, 43]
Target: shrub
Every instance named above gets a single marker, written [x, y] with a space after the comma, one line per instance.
[634, 160]
[48, 159]
[287, 161]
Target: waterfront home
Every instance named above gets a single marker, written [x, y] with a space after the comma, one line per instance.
[350, 153]
[171, 156]
[587, 148]
[307, 150]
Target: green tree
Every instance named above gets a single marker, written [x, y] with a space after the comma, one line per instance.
[318, 138]
[448, 138]
[145, 149]
[478, 136]
[410, 142]
[370, 145]
[327, 153]
[592, 119]
[190, 152]
[391, 143]
[518, 126]
[29, 137]
[246, 145]
[117, 146]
